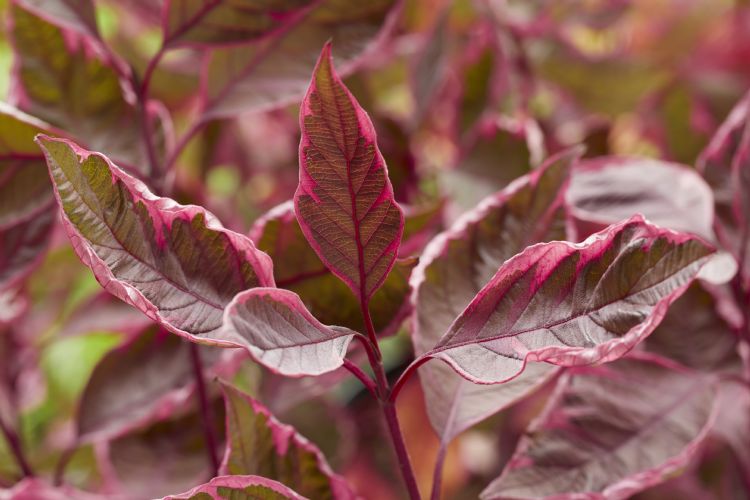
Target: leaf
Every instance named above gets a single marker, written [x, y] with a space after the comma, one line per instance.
[611, 431]
[279, 332]
[275, 70]
[572, 304]
[299, 269]
[148, 376]
[258, 444]
[606, 190]
[175, 263]
[65, 79]
[238, 488]
[206, 23]
[26, 201]
[733, 421]
[78, 15]
[344, 201]
[454, 268]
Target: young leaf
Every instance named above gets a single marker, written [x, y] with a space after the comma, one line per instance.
[611, 431]
[279, 332]
[572, 304]
[206, 23]
[275, 69]
[146, 377]
[175, 263]
[259, 444]
[64, 78]
[238, 488]
[78, 15]
[299, 269]
[458, 263]
[344, 201]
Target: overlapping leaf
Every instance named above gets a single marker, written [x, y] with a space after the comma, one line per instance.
[238, 487]
[212, 22]
[298, 268]
[344, 201]
[26, 201]
[454, 268]
[572, 304]
[611, 431]
[276, 69]
[64, 78]
[258, 444]
[78, 15]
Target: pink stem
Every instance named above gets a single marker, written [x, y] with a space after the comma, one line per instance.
[405, 376]
[437, 475]
[206, 414]
[362, 376]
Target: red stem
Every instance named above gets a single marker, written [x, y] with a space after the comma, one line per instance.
[437, 475]
[206, 414]
[362, 376]
[15, 447]
[405, 376]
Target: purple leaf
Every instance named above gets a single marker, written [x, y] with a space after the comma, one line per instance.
[206, 23]
[572, 304]
[259, 444]
[175, 263]
[239, 487]
[66, 79]
[299, 269]
[77, 15]
[151, 375]
[26, 201]
[611, 431]
[454, 268]
[276, 70]
[344, 201]
[733, 422]
[279, 332]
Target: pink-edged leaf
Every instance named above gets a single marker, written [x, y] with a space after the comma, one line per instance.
[66, 79]
[206, 23]
[725, 164]
[572, 304]
[147, 377]
[611, 431]
[238, 488]
[259, 444]
[454, 268]
[39, 489]
[276, 69]
[166, 455]
[694, 333]
[344, 201]
[26, 201]
[606, 190]
[175, 263]
[279, 332]
[78, 15]
[299, 269]
[733, 421]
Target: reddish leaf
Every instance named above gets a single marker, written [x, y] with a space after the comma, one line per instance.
[733, 422]
[78, 15]
[238, 487]
[454, 268]
[35, 488]
[344, 201]
[572, 304]
[276, 69]
[611, 431]
[206, 23]
[259, 444]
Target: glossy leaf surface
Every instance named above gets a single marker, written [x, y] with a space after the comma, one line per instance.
[344, 201]
[238, 488]
[572, 304]
[458, 263]
[299, 269]
[591, 440]
[211, 22]
[276, 69]
[259, 444]
[175, 263]
[279, 332]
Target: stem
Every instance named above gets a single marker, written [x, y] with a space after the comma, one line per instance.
[206, 414]
[182, 144]
[387, 405]
[405, 376]
[15, 447]
[149, 72]
[437, 475]
[62, 464]
[362, 376]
